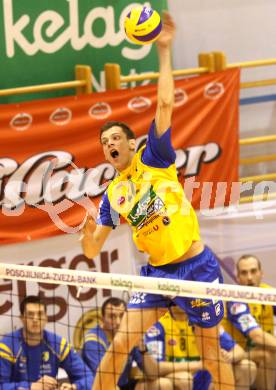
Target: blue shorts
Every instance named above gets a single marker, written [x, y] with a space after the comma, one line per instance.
[204, 267]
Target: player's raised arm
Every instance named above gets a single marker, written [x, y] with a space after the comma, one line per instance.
[165, 91]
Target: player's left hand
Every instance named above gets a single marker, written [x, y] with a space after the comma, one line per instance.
[168, 31]
[226, 356]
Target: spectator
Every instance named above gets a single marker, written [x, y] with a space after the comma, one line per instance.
[252, 325]
[97, 341]
[173, 340]
[31, 356]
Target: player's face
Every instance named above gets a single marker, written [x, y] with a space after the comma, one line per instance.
[249, 273]
[112, 317]
[118, 150]
[34, 319]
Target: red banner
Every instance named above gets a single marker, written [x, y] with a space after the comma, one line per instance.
[51, 156]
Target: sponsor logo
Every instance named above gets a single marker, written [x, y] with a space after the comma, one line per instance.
[148, 205]
[169, 287]
[205, 316]
[199, 303]
[166, 220]
[156, 349]
[21, 121]
[238, 308]
[172, 342]
[100, 110]
[180, 97]
[153, 332]
[121, 200]
[151, 230]
[121, 283]
[61, 116]
[247, 321]
[45, 356]
[213, 90]
[139, 104]
[138, 298]
[67, 30]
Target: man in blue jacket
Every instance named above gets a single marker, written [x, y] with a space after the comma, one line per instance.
[97, 341]
[31, 356]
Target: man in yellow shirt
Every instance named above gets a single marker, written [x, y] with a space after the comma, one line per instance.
[252, 325]
[147, 194]
[172, 339]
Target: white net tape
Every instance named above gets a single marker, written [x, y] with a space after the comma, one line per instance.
[131, 283]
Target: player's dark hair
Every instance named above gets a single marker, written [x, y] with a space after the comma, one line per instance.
[114, 302]
[31, 299]
[127, 130]
[247, 256]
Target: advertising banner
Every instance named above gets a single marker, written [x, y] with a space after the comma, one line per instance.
[51, 157]
[42, 41]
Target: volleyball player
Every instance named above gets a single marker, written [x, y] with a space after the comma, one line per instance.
[147, 194]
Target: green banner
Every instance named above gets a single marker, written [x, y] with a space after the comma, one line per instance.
[41, 42]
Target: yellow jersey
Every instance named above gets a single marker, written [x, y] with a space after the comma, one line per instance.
[171, 340]
[152, 201]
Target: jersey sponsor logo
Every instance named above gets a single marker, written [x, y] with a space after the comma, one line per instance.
[166, 220]
[238, 308]
[148, 206]
[247, 321]
[153, 332]
[199, 303]
[45, 356]
[121, 200]
[172, 342]
[151, 230]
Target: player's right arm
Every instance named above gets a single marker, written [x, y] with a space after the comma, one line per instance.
[94, 233]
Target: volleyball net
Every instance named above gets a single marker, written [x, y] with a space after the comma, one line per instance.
[74, 300]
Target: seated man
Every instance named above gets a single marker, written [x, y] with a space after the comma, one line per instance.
[252, 326]
[171, 339]
[98, 339]
[31, 356]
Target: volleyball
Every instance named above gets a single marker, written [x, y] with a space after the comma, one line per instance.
[143, 25]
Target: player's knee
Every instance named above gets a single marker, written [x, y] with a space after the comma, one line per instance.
[245, 371]
[267, 359]
[183, 380]
[165, 384]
